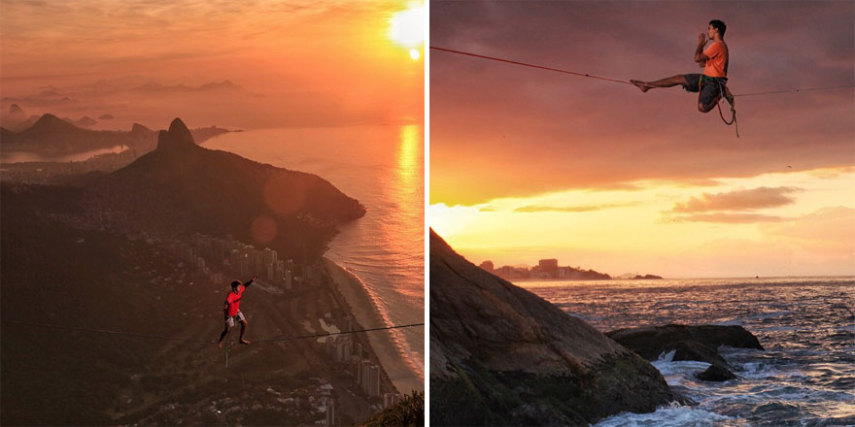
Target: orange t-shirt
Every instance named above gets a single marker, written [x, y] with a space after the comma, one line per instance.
[716, 65]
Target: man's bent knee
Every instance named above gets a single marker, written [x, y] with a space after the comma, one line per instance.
[705, 108]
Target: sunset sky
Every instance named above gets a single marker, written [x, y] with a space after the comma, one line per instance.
[248, 64]
[529, 164]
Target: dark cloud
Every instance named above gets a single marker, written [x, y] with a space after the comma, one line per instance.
[740, 200]
[503, 130]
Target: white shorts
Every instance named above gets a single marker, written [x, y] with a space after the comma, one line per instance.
[230, 320]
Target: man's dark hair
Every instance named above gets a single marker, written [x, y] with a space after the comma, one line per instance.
[235, 284]
[718, 25]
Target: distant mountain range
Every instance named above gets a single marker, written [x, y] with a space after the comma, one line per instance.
[52, 136]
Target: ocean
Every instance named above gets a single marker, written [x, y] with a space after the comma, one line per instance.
[383, 168]
[805, 376]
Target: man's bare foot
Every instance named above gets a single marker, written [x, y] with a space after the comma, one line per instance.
[220, 345]
[641, 85]
[244, 342]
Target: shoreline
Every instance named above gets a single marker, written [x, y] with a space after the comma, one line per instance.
[366, 313]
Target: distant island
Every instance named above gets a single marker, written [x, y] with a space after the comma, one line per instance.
[548, 269]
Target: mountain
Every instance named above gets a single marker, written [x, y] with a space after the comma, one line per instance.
[16, 112]
[53, 136]
[6, 135]
[16, 119]
[85, 122]
[501, 355]
[181, 187]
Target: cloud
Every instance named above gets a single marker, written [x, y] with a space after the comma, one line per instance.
[740, 200]
[589, 208]
[726, 218]
[829, 229]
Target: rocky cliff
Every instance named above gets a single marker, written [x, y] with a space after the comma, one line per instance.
[500, 355]
[181, 187]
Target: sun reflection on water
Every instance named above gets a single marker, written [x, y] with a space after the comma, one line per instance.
[408, 164]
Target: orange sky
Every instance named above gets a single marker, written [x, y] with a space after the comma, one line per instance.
[529, 164]
[285, 63]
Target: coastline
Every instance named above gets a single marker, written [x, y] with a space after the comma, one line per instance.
[365, 312]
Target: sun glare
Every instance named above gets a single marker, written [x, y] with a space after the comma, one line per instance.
[407, 29]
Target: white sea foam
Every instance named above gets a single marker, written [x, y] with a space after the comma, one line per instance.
[677, 373]
[667, 356]
[671, 416]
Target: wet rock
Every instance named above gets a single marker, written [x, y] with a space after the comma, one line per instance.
[715, 373]
[699, 343]
[500, 355]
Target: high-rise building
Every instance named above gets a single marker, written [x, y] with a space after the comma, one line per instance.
[390, 399]
[374, 380]
[330, 404]
[365, 376]
[270, 256]
[288, 280]
[549, 267]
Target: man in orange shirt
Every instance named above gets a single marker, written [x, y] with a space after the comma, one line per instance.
[714, 59]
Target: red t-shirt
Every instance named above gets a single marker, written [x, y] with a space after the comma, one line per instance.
[233, 300]
[716, 65]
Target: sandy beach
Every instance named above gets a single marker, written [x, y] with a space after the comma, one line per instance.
[382, 342]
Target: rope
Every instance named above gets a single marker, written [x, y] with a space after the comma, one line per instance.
[721, 95]
[794, 90]
[190, 339]
[106, 331]
[525, 64]
[541, 67]
[411, 325]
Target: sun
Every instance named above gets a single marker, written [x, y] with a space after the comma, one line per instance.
[407, 28]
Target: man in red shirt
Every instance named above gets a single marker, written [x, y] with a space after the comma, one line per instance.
[231, 310]
[714, 59]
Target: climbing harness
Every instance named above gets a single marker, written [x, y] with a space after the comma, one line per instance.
[722, 94]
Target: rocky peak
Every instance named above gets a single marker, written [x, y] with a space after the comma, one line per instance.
[177, 137]
[138, 128]
[49, 123]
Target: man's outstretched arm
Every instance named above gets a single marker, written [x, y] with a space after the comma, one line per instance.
[249, 282]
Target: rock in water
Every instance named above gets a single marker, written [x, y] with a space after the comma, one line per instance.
[698, 343]
[690, 342]
[501, 355]
[715, 373]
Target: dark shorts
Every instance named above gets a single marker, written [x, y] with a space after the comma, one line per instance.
[711, 89]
